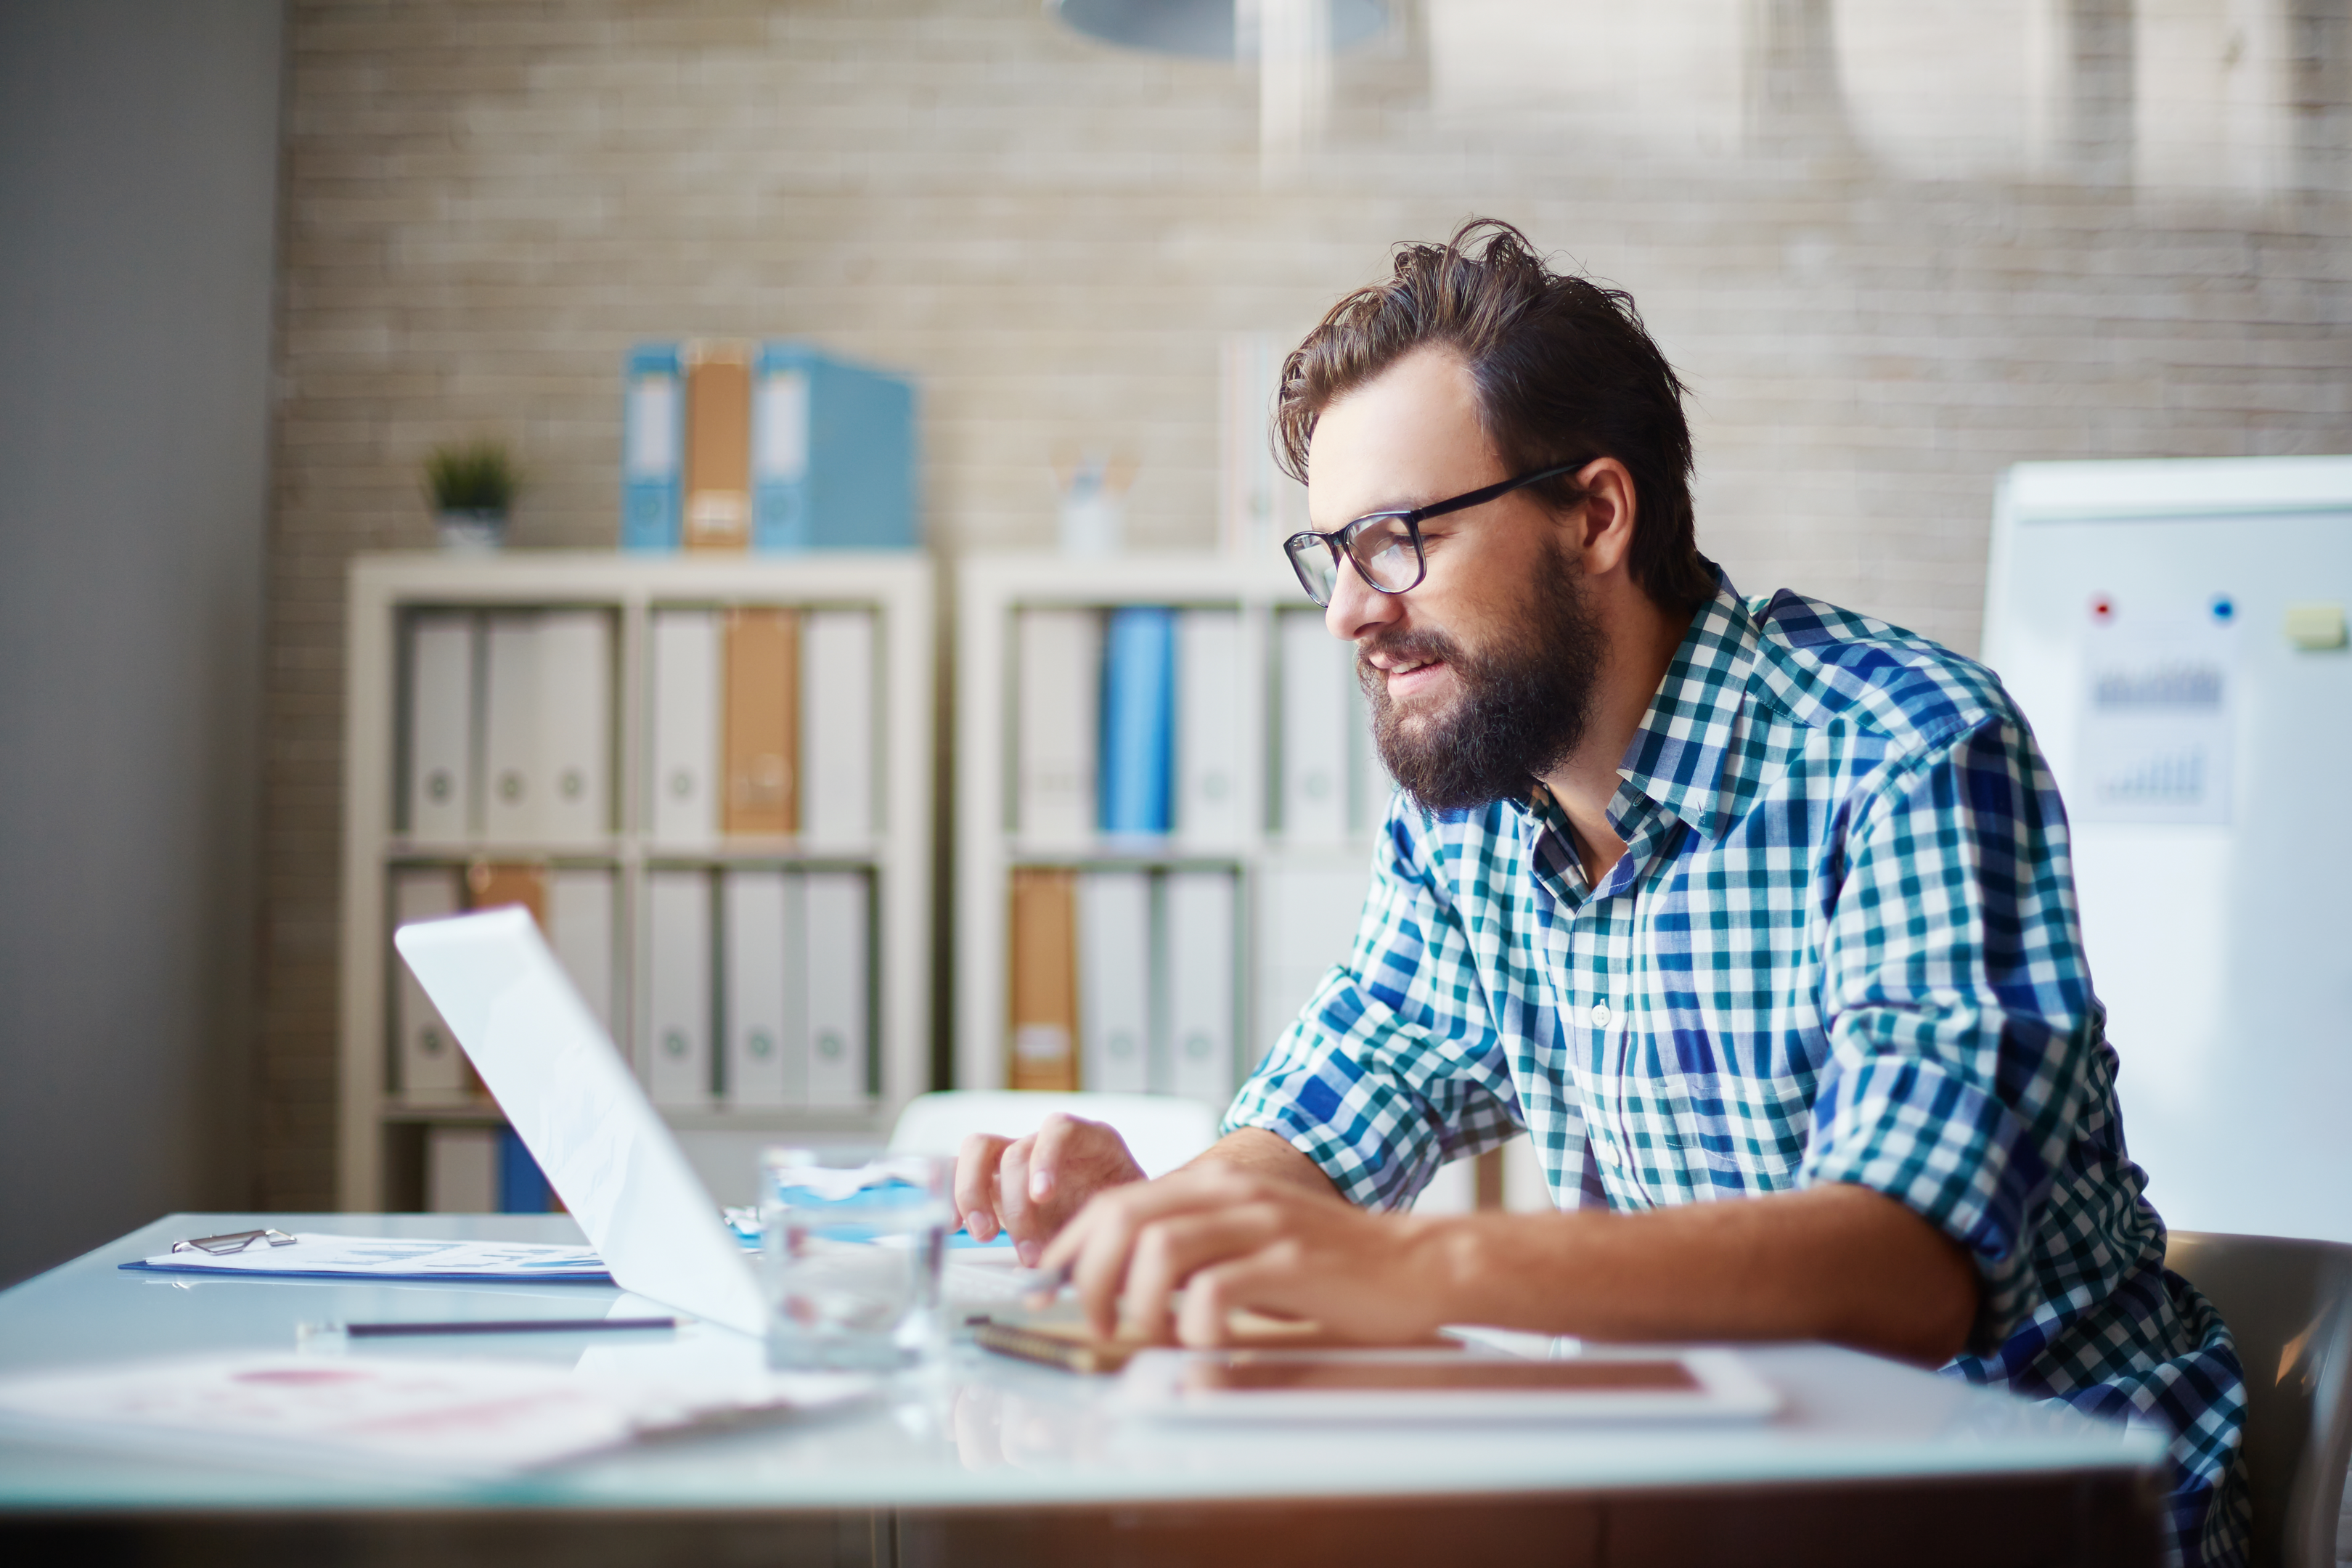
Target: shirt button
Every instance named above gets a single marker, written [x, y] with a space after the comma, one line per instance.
[1601, 1014]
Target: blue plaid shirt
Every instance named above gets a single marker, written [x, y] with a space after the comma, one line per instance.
[1840, 946]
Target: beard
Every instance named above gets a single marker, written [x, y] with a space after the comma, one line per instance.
[1522, 707]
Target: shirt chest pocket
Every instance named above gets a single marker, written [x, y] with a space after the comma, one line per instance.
[1747, 1134]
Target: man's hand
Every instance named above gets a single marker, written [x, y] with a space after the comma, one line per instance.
[1029, 1187]
[1234, 1238]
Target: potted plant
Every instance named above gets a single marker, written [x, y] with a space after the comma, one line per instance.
[473, 487]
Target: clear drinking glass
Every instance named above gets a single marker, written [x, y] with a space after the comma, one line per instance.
[854, 1252]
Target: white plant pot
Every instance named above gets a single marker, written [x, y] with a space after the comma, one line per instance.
[473, 532]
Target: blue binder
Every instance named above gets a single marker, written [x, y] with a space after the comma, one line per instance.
[522, 1188]
[653, 449]
[832, 454]
[1139, 719]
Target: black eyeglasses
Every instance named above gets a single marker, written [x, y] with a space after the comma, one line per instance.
[1386, 545]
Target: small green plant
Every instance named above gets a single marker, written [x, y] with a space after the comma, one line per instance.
[478, 475]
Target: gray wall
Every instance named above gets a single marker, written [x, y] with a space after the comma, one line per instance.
[138, 199]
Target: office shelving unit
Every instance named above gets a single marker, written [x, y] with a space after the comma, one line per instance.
[992, 591]
[383, 1129]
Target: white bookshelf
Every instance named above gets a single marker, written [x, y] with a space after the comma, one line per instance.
[992, 590]
[386, 590]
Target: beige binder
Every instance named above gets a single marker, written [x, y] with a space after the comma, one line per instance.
[718, 445]
[761, 747]
[1045, 991]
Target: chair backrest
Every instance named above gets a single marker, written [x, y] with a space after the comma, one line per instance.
[1161, 1130]
[2289, 1304]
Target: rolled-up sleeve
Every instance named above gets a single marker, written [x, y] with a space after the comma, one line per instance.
[1394, 1066]
[1961, 1020]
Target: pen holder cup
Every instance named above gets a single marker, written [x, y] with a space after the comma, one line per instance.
[854, 1249]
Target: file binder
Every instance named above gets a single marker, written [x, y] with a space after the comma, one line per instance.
[763, 727]
[780, 516]
[430, 1065]
[1115, 980]
[511, 802]
[522, 1187]
[653, 441]
[718, 445]
[839, 938]
[1139, 721]
[581, 927]
[1214, 804]
[832, 454]
[461, 1170]
[1044, 992]
[575, 764]
[1059, 693]
[1316, 714]
[675, 1048]
[1200, 951]
[682, 794]
[439, 783]
[837, 697]
[1307, 921]
[490, 883]
[766, 1059]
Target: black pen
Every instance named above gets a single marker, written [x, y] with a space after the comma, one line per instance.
[494, 1326]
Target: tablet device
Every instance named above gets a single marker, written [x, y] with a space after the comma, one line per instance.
[1597, 1384]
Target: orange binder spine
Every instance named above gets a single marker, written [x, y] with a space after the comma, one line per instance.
[1044, 989]
[762, 723]
[717, 445]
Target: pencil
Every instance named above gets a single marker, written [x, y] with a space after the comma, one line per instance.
[502, 1326]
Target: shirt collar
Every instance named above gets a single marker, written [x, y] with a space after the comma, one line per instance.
[1676, 757]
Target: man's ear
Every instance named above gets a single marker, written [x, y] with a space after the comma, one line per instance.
[1605, 520]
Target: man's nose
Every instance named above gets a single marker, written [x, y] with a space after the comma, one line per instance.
[1356, 606]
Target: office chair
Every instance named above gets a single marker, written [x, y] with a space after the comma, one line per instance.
[2290, 1305]
[1161, 1130]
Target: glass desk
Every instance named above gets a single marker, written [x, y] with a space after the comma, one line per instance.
[1869, 1460]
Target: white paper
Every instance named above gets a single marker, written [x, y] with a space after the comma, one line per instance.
[396, 1257]
[446, 1417]
[2159, 716]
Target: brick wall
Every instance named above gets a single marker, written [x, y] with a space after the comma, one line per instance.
[486, 201]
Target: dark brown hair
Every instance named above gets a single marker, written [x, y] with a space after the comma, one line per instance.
[1566, 373]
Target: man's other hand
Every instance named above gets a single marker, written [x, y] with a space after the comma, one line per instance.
[1029, 1187]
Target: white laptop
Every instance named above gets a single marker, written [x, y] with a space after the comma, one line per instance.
[582, 1113]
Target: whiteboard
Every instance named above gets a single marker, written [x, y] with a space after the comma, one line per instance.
[2139, 614]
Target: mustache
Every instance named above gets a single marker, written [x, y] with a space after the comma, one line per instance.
[1423, 645]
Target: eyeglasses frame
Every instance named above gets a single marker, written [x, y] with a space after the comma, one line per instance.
[1339, 540]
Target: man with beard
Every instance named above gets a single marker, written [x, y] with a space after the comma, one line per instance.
[1718, 898]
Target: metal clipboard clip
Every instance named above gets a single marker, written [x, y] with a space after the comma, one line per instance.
[235, 1241]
